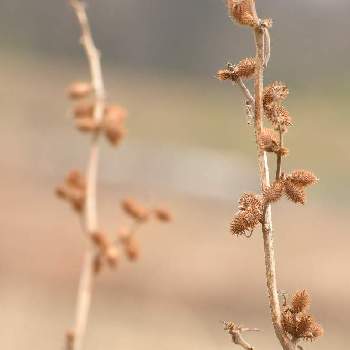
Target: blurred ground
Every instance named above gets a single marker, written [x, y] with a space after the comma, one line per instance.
[188, 148]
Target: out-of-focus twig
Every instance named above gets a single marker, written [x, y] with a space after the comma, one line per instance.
[90, 214]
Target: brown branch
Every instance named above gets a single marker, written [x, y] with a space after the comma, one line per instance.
[249, 99]
[236, 334]
[267, 46]
[265, 182]
[90, 217]
[279, 155]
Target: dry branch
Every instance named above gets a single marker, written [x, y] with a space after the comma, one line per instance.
[90, 213]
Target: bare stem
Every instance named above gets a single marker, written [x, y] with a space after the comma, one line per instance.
[90, 218]
[265, 181]
[236, 334]
[279, 155]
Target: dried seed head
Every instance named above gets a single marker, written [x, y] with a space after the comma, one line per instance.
[77, 199]
[113, 124]
[115, 133]
[75, 179]
[275, 92]
[84, 110]
[283, 151]
[278, 115]
[304, 326]
[123, 234]
[86, 125]
[132, 249]
[112, 256]
[294, 193]
[79, 89]
[269, 141]
[250, 201]
[73, 190]
[303, 178]
[267, 23]
[245, 69]
[100, 239]
[70, 338]
[274, 193]
[163, 214]
[226, 74]
[245, 221]
[288, 323]
[97, 264]
[300, 302]
[135, 210]
[61, 192]
[316, 331]
[296, 320]
[243, 11]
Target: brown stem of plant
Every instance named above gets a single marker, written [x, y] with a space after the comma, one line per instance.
[265, 182]
[90, 217]
[279, 155]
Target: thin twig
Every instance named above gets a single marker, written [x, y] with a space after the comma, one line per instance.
[236, 334]
[249, 99]
[247, 94]
[279, 155]
[90, 218]
[265, 182]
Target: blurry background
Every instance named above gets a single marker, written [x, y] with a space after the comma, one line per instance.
[189, 148]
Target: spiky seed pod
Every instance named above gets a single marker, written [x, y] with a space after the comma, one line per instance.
[100, 240]
[97, 263]
[77, 200]
[300, 302]
[275, 92]
[274, 193]
[112, 256]
[245, 220]
[86, 125]
[283, 151]
[115, 133]
[268, 141]
[226, 74]
[303, 178]
[84, 110]
[113, 124]
[79, 89]
[135, 210]
[294, 193]
[243, 11]
[245, 69]
[70, 339]
[278, 115]
[73, 190]
[163, 214]
[75, 179]
[61, 192]
[123, 234]
[304, 325]
[288, 323]
[239, 225]
[250, 200]
[267, 23]
[297, 322]
[315, 332]
[132, 249]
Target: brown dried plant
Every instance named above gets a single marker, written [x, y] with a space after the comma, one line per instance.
[293, 323]
[95, 118]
